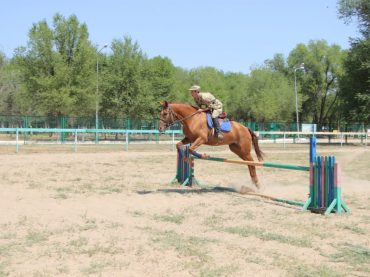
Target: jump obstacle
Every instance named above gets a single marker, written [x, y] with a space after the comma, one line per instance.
[325, 194]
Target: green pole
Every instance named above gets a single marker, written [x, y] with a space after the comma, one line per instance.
[287, 166]
[273, 128]
[25, 125]
[63, 123]
[129, 124]
[266, 164]
[126, 147]
[96, 130]
[157, 134]
[291, 202]
[17, 141]
[75, 148]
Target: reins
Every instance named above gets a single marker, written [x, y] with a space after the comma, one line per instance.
[176, 118]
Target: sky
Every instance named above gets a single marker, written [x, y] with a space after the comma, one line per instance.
[230, 35]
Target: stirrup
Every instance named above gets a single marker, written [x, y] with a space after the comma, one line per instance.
[220, 135]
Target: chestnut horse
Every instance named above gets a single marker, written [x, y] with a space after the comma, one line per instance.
[194, 126]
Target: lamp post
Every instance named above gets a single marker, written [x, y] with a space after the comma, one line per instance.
[300, 67]
[97, 94]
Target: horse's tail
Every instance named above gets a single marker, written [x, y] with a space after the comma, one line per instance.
[255, 145]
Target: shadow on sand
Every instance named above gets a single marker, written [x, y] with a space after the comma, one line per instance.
[244, 192]
[187, 190]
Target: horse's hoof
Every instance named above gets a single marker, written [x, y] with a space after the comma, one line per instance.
[245, 190]
[257, 184]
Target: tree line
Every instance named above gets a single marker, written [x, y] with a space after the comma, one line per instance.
[60, 72]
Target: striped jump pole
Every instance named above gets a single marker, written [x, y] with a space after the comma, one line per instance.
[264, 164]
[325, 194]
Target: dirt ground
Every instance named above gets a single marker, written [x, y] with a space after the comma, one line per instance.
[113, 213]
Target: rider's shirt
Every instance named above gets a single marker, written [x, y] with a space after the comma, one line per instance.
[207, 100]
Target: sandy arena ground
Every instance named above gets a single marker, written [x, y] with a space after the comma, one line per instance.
[113, 213]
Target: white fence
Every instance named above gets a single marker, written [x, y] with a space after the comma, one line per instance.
[13, 136]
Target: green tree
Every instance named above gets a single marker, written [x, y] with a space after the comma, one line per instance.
[56, 69]
[268, 96]
[360, 9]
[122, 85]
[237, 91]
[158, 78]
[209, 79]
[319, 85]
[355, 84]
[278, 64]
[181, 85]
[8, 86]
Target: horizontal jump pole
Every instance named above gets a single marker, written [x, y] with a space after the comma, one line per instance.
[265, 164]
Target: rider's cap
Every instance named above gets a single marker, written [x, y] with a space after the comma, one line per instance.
[195, 87]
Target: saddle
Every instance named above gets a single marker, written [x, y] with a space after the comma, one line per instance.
[223, 115]
[224, 122]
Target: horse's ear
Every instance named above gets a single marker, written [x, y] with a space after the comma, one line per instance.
[165, 104]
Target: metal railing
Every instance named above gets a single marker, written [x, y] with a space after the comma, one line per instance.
[19, 136]
[19, 121]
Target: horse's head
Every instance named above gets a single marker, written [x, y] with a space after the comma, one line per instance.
[166, 117]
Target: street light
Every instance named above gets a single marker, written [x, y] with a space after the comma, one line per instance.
[300, 67]
[97, 93]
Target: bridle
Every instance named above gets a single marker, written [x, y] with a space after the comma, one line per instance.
[173, 118]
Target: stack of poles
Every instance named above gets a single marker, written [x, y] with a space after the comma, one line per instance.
[325, 191]
[325, 194]
[185, 167]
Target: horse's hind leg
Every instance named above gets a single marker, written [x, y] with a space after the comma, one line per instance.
[246, 156]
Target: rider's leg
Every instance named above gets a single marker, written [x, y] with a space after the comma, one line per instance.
[216, 123]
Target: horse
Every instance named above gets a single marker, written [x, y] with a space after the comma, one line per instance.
[194, 126]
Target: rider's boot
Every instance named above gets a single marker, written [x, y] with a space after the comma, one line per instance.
[216, 125]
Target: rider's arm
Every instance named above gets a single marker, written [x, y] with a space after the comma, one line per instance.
[207, 98]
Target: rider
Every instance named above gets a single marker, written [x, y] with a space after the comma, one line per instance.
[207, 100]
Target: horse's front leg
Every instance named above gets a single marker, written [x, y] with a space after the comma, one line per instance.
[198, 142]
[185, 140]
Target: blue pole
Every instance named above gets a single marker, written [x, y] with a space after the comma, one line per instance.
[312, 149]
